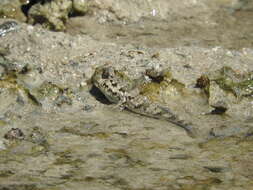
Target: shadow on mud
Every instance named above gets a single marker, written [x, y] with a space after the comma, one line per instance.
[95, 92]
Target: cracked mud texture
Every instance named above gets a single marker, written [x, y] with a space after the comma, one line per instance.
[74, 138]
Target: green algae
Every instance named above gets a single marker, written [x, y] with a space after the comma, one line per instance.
[160, 84]
[230, 81]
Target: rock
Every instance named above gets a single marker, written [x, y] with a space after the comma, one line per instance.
[31, 78]
[52, 14]
[217, 97]
[239, 84]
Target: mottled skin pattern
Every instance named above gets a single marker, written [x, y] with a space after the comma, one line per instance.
[7, 26]
[119, 89]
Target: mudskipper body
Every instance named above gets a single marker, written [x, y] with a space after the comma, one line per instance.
[118, 88]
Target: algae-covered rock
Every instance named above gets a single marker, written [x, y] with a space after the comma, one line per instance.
[228, 91]
[52, 14]
[22, 84]
[49, 95]
[231, 81]
[12, 9]
[80, 6]
[46, 93]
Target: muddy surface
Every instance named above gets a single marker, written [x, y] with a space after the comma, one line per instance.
[58, 131]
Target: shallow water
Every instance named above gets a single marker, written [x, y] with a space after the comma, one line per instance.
[232, 30]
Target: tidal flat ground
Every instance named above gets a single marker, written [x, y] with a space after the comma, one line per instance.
[60, 131]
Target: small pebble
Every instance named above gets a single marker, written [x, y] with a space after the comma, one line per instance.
[14, 134]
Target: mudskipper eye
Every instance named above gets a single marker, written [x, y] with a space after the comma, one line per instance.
[106, 73]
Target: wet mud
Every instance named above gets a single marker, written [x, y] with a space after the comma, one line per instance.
[62, 129]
